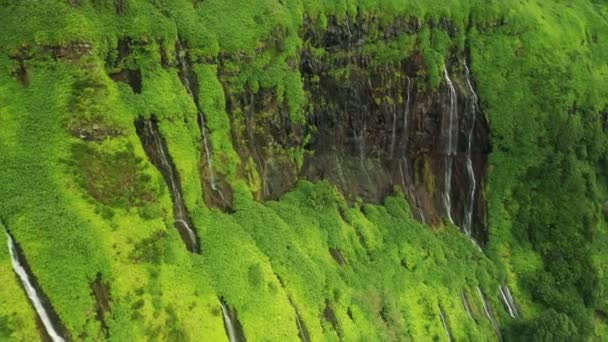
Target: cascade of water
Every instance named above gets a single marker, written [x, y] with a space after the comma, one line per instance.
[449, 134]
[301, 329]
[408, 184]
[179, 210]
[393, 134]
[470, 199]
[407, 180]
[507, 298]
[230, 330]
[488, 312]
[406, 112]
[465, 303]
[31, 292]
[445, 325]
[184, 72]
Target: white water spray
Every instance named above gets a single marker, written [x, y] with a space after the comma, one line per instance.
[301, 329]
[179, 214]
[31, 292]
[407, 180]
[445, 325]
[201, 117]
[507, 298]
[228, 322]
[486, 310]
[450, 134]
[470, 200]
[465, 303]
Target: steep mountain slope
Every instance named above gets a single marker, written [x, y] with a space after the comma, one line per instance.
[305, 170]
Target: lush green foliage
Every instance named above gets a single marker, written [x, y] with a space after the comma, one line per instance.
[82, 208]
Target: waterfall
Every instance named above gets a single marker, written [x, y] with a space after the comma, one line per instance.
[407, 180]
[445, 325]
[488, 312]
[178, 205]
[300, 329]
[393, 133]
[470, 199]
[465, 303]
[406, 112]
[184, 72]
[507, 298]
[408, 184]
[31, 292]
[230, 330]
[450, 136]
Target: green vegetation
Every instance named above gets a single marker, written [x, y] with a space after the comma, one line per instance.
[81, 198]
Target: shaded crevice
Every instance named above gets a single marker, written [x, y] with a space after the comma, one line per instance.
[465, 304]
[49, 324]
[445, 324]
[488, 312]
[101, 292]
[216, 191]
[330, 316]
[302, 329]
[234, 329]
[156, 149]
[130, 77]
[265, 135]
[337, 256]
[121, 73]
[508, 301]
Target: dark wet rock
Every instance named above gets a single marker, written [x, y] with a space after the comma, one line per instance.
[94, 132]
[239, 334]
[117, 60]
[330, 316]
[46, 303]
[130, 77]
[337, 256]
[101, 292]
[156, 149]
[217, 192]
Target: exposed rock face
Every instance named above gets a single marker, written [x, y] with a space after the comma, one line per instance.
[120, 72]
[265, 138]
[380, 126]
[371, 127]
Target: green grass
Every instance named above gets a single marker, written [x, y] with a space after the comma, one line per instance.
[81, 208]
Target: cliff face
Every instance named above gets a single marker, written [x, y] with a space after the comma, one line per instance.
[274, 170]
[371, 127]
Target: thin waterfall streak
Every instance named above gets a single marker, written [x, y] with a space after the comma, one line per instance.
[393, 134]
[465, 303]
[412, 191]
[445, 325]
[31, 291]
[486, 310]
[505, 294]
[470, 205]
[165, 166]
[184, 76]
[229, 325]
[468, 217]
[450, 149]
[301, 329]
[406, 112]
[164, 159]
[207, 152]
[189, 230]
[510, 297]
[447, 199]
